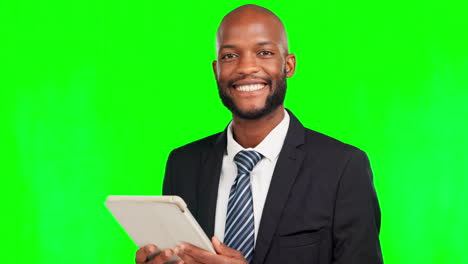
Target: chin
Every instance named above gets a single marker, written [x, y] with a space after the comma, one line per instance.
[254, 109]
[251, 113]
[251, 109]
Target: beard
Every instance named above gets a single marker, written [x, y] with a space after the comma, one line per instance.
[272, 102]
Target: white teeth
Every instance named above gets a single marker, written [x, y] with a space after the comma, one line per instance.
[250, 87]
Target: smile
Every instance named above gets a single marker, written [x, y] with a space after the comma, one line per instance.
[249, 87]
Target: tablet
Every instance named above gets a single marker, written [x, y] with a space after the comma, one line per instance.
[161, 220]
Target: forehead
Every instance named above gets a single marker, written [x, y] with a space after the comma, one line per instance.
[249, 29]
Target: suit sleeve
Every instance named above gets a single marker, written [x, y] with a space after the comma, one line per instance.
[356, 223]
[168, 175]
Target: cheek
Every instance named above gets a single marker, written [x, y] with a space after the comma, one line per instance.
[225, 71]
[274, 69]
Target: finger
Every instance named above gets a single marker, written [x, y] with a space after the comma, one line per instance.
[185, 258]
[164, 256]
[198, 254]
[144, 252]
[224, 250]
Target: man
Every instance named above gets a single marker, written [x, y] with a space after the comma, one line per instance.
[270, 189]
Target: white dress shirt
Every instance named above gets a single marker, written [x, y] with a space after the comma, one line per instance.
[260, 177]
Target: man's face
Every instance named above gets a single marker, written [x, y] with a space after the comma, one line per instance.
[252, 66]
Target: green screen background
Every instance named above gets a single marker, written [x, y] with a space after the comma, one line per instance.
[95, 94]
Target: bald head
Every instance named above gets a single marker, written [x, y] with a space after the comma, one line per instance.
[252, 63]
[252, 19]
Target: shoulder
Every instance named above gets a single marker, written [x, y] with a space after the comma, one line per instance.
[326, 147]
[195, 148]
[325, 142]
[318, 145]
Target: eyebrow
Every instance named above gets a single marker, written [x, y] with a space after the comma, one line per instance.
[258, 44]
[264, 43]
[227, 47]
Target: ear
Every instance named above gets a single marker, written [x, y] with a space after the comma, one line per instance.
[215, 69]
[290, 65]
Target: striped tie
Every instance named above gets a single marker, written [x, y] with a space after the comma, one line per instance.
[240, 230]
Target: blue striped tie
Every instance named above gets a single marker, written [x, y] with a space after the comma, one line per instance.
[240, 230]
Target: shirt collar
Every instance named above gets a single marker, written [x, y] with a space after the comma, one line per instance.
[270, 146]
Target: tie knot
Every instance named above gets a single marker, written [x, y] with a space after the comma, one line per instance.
[246, 160]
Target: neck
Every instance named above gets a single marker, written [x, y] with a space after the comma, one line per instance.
[249, 133]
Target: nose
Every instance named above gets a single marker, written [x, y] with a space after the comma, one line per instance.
[247, 65]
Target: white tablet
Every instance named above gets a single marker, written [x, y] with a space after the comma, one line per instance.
[161, 220]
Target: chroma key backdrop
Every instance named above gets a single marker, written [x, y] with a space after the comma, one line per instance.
[95, 94]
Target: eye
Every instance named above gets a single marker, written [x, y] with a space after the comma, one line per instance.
[228, 56]
[266, 53]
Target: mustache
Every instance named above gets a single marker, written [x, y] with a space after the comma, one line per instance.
[232, 81]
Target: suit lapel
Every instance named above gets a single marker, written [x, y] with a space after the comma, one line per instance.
[284, 175]
[211, 163]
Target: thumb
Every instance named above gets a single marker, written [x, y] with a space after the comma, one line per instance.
[224, 250]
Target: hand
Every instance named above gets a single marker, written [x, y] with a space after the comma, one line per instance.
[193, 255]
[148, 250]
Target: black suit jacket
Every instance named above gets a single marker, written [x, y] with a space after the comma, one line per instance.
[321, 206]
